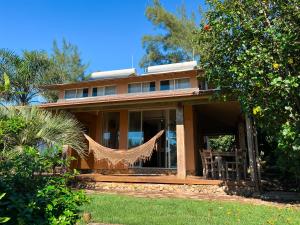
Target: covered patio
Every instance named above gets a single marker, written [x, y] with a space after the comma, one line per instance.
[194, 124]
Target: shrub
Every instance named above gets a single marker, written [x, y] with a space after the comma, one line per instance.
[32, 198]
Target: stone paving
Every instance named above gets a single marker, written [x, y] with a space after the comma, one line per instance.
[198, 192]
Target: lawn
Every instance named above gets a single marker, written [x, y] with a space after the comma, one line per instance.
[118, 209]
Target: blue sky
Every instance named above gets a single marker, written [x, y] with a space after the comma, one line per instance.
[108, 33]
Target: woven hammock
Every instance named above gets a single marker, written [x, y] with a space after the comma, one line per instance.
[127, 156]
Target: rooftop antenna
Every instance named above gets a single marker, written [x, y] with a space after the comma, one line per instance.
[193, 54]
[132, 61]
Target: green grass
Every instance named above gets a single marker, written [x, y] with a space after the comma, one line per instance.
[107, 208]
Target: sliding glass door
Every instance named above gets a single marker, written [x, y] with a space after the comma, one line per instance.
[110, 129]
[143, 125]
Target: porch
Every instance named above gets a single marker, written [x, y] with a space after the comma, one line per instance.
[177, 159]
[158, 179]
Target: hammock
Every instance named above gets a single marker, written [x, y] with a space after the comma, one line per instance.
[114, 156]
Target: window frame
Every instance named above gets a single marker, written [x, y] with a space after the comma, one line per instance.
[173, 81]
[76, 91]
[104, 87]
[141, 86]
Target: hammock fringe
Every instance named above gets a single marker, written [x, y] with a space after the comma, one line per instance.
[127, 156]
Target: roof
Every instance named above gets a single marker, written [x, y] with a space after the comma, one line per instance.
[147, 97]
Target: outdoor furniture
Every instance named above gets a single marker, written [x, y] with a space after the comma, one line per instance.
[221, 158]
[238, 166]
[208, 163]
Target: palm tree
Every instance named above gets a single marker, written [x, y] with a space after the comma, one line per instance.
[37, 127]
[4, 87]
[26, 73]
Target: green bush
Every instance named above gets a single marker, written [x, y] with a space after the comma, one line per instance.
[222, 143]
[3, 219]
[32, 198]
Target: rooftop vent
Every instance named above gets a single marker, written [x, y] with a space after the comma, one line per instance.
[174, 67]
[113, 74]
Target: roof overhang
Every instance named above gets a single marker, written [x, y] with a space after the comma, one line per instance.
[183, 95]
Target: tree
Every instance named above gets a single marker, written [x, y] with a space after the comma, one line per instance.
[66, 66]
[68, 63]
[175, 44]
[4, 87]
[30, 126]
[253, 48]
[26, 74]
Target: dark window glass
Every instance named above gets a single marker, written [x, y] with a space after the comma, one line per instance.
[165, 85]
[152, 86]
[85, 92]
[94, 91]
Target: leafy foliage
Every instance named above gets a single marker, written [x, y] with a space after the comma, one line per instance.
[6, 84]
[68, 62]
[32, 198]
[222, 143]
[67, 66]
[26, 73]
[30, 126]
[31, 70]
[252, 48]
[3, 219]
[175, 44]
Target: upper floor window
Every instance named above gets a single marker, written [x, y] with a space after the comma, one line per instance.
[141, 87]
[181, 83]
[106, 90]
[77, 93]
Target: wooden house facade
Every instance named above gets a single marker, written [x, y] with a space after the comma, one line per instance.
[126, 111]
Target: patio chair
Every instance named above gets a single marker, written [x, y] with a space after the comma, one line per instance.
[208, 164]
[238, 166]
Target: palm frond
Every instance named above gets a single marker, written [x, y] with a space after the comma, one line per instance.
[44, 127]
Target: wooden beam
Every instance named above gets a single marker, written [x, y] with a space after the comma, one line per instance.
[251, 153]
[180, 137]
[256, 153]
[123, 129]
[189, 139]
[241, 136]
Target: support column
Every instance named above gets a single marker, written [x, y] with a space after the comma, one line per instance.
[189, 139]
[98, 127]
[241, 136]
[251, 152]
[123, 129]
[181, 162]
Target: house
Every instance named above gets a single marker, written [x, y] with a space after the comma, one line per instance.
[121, 110]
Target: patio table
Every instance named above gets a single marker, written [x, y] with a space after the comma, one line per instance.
[219, 158]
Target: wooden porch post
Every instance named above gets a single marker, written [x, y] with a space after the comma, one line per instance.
[123, 129]
[251, 152]
[181, 163]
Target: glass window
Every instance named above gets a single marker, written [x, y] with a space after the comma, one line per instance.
[141, 87]
[135, 133]
[110, 132]
[70, 94]
[166, 85]
[182, 83]
[110, 90]
[134, 88]
[171, 137]
[95, 90]
[98, 91]
[148, 86]
[85, 92]
[81, 93]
